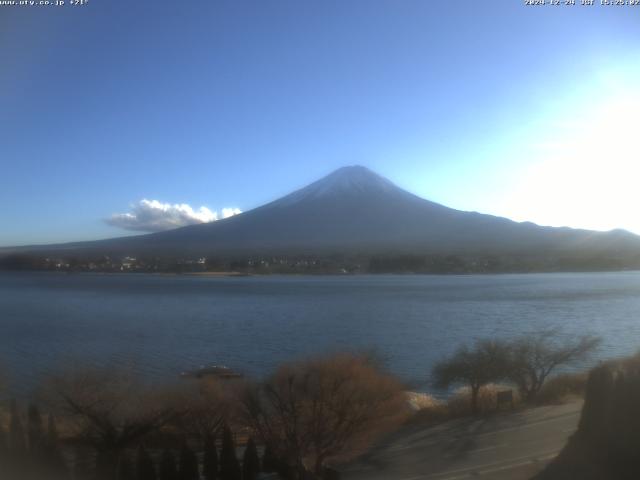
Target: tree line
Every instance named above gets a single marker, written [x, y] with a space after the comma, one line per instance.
[108, 424]
[324, 263]
[35, 452]
[105, 424]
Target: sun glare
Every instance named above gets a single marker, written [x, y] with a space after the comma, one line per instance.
[584, 171]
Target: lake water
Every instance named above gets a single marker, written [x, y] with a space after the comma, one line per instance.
[163, 325]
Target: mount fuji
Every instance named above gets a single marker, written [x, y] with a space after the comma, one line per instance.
[355, 211]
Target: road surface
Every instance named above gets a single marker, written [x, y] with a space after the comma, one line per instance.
[505, 446]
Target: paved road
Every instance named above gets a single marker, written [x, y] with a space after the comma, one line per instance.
[505, 446]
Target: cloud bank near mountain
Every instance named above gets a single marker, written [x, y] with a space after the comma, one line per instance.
[155, 216]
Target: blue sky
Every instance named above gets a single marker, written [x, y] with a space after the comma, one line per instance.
[526, 112]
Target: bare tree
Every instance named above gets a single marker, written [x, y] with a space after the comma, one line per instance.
[534, 357]
[475, 367]
[318, 409]
[206, 406]
[111, 410]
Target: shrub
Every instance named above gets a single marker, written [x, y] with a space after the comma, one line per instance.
[421, 401]
[145, 468]
[250, 461]
[562, 387]
[426, 408]
[168, 469]
[269, 460]
[327, 407]
[210, 459]
[229, 465]
[125, 470]
[188, 464]
[460, 403]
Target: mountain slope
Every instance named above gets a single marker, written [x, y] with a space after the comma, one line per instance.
[354, 210]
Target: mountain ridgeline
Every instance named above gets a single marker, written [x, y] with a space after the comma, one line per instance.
[355, 214]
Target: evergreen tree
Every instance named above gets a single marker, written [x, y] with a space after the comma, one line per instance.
[37, 458]
[168, 470]
[53, 456]
[272, 463]
[3, 441]
[229, 465]
[35, 433]
[4, 452]
[125, 469]
[16, 432]
[210, 460]
[17, 462]
[82, 464]
[188, 464]
[145, 467]
[52, 433]
[107, 463]
[250, 461]
[269, 460]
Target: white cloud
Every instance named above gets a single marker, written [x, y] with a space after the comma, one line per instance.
[230, 212]
[155, 216]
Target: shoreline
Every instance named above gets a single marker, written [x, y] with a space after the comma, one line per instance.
[222, 274]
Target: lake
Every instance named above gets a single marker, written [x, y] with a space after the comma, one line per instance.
[162, 324]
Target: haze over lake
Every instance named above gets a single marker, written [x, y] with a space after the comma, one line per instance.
[163, 325]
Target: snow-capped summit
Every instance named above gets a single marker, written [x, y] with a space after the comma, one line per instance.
[350, 181]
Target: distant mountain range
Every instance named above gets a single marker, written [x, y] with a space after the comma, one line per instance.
[355, 211]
